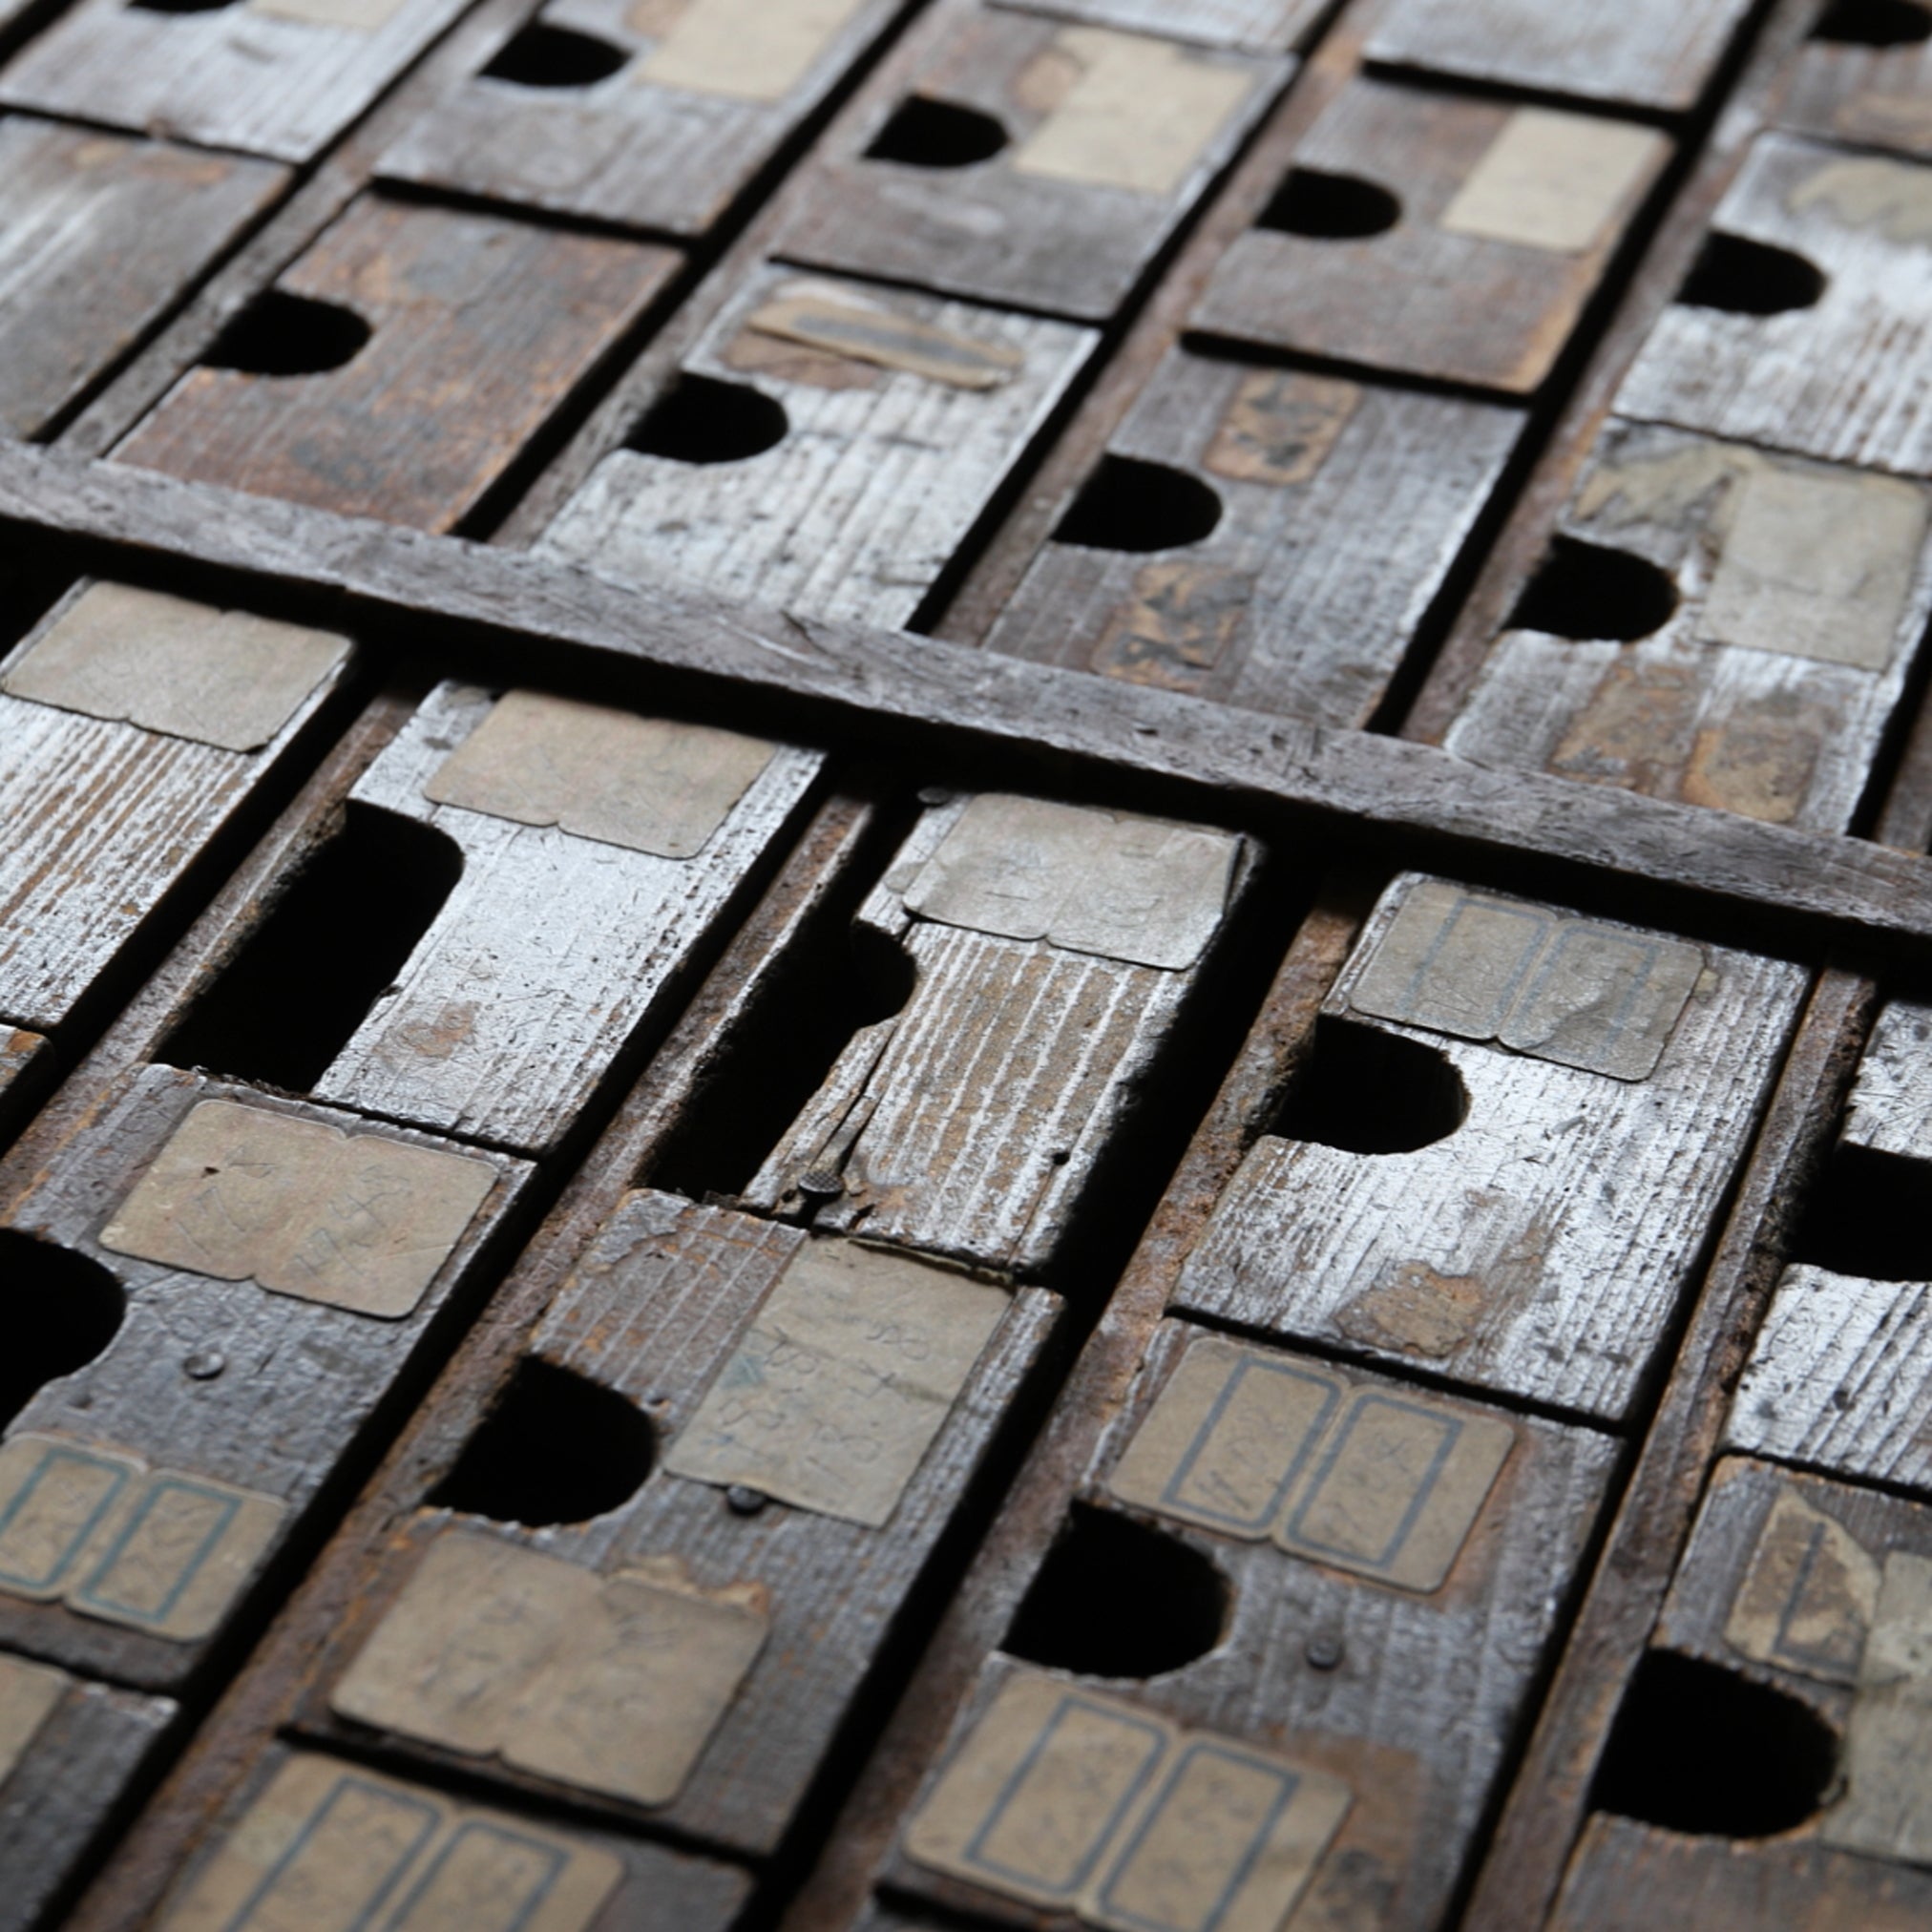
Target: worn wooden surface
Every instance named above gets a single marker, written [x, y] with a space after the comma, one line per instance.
[1295, 601]
[1800, 593]
[1866, 95]
[280, 79]
[1081, 193]
[668, 155]
[876, 473]
[99, 238]
[522, 312]
[1481, 295]
[1269, 26]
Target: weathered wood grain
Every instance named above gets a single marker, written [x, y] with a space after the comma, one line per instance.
[1543, 1246]
[1802, 592]
[879, 473]
[668, 156]
[216, 1378]
[1842, 378]
[1342, 507]
[99, 238]
[276, 77]
[551, 953]
[25, 1061]
[1656, 53]
[1071, 208]
[480, 327]
[1485, 291]
[1267, 26]
[1869, 96]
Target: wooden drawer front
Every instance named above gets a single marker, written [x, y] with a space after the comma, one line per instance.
[1264, 25]
[1867, 95]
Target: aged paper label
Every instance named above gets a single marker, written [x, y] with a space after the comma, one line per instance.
[842, 1382]
[352, 16]
[1543, 983]
[222, 677]
[1178, 625]
[1816, 566]
[1066, 1798]
[1141, 115]
[748, 49]
[155, 1549]
[1866, 192]
[330, 1847]
[648, 784]
[359, 1221]
[613, 1684]
[1356, 1475]
[887, 339]
[1887, 1761]
[1808, 1596]
[1556, 182]
[1280, 427]
[1138, 890]
[28, 1694]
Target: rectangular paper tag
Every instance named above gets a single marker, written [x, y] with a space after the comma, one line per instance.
[1555, 181]
[745, 49]
[28, 1695]
[1808, 1596]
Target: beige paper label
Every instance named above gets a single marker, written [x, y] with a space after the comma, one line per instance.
[1555, 181]
[1816, 566]
[359, 1221]
[1280, 427]
[1065, 1798]
[1138, 890]
[330, 1847]
[747, 50]
[222, 677]
[1538, 981]
[1887, 1761]
[843, 1382]
[612, 1684]
[154, 1549]
[1808, 1596]
[887, 339]
[1351, 1474]
[1866, 192]
[352, 16]
[1142, 115]
[28, 1695]
[647, 784]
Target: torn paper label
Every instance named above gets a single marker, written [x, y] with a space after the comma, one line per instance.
[1808, 1594]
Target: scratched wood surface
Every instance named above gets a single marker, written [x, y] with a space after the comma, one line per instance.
[549, 956]
[1268, 26]
[99, 238]
[275, 77]
[1077, 195]
[668, 155]
[1768, 682]
[1484, 294]
[1295, 601]
[512, 314]
[1839, 375]
[876, 473]
[1655, 53]
[213, 1379]
[1868, 94]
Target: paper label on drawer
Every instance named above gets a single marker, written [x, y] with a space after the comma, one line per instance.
[1356, 1475]
[352, 16]
[613, 1684]
[221, 678]
[330, 1847]
[843, 1382]
[1887, 1758]
[1137, 890]
[1073, 1800]
[887, 339]
[1141, 115]
[155, 1549]
[359, 1221]
[1548, 983]
[648, 784]
[747, 50]
[28, 1694]
[1280, 426]
[1556, 182]
[1808, 1596]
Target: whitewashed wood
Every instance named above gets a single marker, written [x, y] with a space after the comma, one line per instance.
[299, 1381]
[1267, 26]
[1657, 54]
[1306, 595]
[547, 957]
[99, 238]
[1867, 96]
[100, 820]
[1890, 1109]
[623, 148]
[1543, 1246]
[862, 504]
[235, 75]
[970, 1121]
[1849, 378]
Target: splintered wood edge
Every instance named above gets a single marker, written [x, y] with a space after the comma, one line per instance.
[1390, 784]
